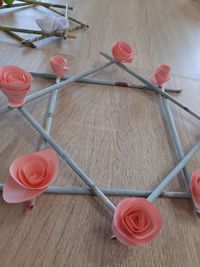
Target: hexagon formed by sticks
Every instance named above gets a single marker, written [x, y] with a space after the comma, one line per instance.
[136, 221]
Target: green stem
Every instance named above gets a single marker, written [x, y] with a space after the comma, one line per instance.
[27, 42]
[78, 22]
[19, 38]
[42, 37]
[55, 11]
[7, 28]
[77, 28]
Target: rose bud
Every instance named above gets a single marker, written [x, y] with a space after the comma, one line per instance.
[58, 65]
[161, 75]
[122, 52]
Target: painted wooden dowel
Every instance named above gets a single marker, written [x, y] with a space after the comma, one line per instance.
[50, 89]
[47, 127]
[169, 178]
[151, 85]
[175, 136]
[66, 157]
[49, 117]
[155, 193]
[177, 143]
[76, 190]
[115, 192]
[67, 82]
[102, 82]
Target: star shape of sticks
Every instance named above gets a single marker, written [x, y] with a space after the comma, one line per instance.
[136, 221]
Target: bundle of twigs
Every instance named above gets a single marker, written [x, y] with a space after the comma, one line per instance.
[12, 31]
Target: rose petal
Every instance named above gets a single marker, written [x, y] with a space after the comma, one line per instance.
[15, 98]
[33, 172]
[14, 193]
[39, 173]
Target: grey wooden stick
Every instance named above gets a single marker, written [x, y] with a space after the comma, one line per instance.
[151, 85]
[76, 190]
[54, 87]
[177, 143]
[102, 82]
[66, 157]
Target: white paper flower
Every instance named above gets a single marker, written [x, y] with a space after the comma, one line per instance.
[52, 24]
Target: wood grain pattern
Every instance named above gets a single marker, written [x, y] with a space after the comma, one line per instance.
[116, 135]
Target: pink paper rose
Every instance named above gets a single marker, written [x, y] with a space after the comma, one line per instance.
[195, 188]
[161, 75]
[122, 52]
[136, 222]
[15, 84]
[30, 176]
[58, 65]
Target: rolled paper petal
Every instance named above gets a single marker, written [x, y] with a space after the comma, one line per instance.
[122, 52]
[15, 83]
[30, 176]
[136, 222]
[15, 98]
[58, 65]
[52, 24]
[161, 75]
[15, 193]
[195, 188]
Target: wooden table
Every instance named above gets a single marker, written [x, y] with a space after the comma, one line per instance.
[117, 135]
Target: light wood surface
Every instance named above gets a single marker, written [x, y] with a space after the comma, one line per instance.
[116, 135]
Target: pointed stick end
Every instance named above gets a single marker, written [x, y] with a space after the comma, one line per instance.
[28, 208]
[197, 212]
